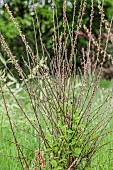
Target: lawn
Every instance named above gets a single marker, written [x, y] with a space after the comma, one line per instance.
[28, 138]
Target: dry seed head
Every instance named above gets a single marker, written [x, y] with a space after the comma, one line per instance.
[20, 32]
[92, 85]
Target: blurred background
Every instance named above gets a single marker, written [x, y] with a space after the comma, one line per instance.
[24, 12]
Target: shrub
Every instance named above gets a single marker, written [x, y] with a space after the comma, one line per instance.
[57, 110]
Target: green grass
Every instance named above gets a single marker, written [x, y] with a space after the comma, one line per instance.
[29, 143]
[106, 83]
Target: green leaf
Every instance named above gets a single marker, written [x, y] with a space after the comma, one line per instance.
[54, 163]
[70, 131]
[77, 151]
[62, 160]
[55, 149]
[76, 118]
[64, 128]
[73, 141]
[59, 168]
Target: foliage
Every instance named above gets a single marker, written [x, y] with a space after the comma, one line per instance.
[66, 116]
[25, 16]
[66, 145]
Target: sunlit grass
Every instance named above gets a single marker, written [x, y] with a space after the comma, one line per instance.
[28, 138]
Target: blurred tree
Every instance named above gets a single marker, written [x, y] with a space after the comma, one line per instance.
[25, 15]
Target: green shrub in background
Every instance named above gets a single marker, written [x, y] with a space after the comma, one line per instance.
[25, 16]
